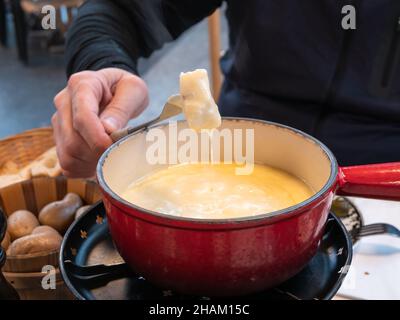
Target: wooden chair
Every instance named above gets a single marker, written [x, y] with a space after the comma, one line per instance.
[214, 32]
[22, 8]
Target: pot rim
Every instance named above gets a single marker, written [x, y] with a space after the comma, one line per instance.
[264, 216]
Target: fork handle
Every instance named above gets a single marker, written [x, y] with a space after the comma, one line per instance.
[119, 134]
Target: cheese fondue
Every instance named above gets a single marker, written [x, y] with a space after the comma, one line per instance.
[214, 191]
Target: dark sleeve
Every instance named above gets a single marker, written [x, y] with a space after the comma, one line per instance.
[115, 33]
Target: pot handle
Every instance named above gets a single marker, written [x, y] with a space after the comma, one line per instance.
[379, 181]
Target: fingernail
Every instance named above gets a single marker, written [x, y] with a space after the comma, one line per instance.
[111, 123]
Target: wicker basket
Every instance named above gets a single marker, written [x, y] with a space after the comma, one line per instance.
[25, 147]
[24, 271]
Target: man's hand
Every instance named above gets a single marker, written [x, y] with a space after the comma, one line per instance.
[93, 105]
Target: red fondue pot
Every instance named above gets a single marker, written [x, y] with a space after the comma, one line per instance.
[233, 256]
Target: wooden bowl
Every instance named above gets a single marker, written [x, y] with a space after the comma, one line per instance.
[29, 286]
[33, 195]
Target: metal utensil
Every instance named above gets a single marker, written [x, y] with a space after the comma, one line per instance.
[376, 229]
[172, 108]
[96, 271]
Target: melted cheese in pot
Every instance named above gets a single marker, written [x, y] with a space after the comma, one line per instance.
[199, 107]
[214, 191]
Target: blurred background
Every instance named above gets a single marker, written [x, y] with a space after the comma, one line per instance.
[32, 64]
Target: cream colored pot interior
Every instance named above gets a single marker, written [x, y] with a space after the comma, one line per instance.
[274, 145]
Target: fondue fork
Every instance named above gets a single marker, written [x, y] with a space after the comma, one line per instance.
[376, 229]
[172, 108]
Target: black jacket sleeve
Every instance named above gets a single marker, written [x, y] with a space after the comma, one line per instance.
[115, 33]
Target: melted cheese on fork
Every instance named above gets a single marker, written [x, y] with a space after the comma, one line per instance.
[199, 107]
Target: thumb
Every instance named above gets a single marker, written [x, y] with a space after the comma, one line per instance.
[129, 100]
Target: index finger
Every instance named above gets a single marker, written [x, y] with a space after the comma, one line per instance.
[85, 117]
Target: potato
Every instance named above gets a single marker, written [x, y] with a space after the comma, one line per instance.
[34, 243]
[6, 241]
[21, 223]
[60, 214]
[44, 229]
[81, 211]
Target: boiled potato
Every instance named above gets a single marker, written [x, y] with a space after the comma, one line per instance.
[34, 243]
[6, 241]
[21, 223]
[44, 229]
[81, 211]
[60, 214]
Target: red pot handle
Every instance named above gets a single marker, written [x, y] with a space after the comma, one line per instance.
[380, 181]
